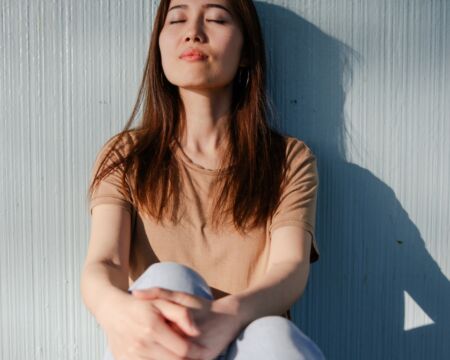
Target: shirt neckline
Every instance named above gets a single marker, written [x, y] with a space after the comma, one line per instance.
[188, 161]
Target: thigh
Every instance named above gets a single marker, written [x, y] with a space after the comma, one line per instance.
[273, 337]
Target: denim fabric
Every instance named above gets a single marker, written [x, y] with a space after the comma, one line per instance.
[266, 338]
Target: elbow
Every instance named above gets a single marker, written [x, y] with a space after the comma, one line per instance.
[302, 275]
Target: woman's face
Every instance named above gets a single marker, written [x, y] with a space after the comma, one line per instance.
[214, 30]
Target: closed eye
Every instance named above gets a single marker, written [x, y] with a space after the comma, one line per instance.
[217, 21]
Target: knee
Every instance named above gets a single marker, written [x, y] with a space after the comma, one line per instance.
[166, 267]
[280, 336]
[173, 276]
[173, 268]
[266, 325]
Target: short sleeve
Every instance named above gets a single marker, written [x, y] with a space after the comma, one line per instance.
[109, 190]
[298, 201]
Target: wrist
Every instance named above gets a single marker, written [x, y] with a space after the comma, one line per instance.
[231, 305]
[109, 303]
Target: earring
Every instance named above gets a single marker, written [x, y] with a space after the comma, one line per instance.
[240, 77]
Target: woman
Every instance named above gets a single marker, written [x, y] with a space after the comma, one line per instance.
[204, 208]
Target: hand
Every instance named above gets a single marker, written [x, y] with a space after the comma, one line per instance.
[217, 320]
[136, 329]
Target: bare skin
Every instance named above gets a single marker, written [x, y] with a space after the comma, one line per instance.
[205, 87]
[150, 326]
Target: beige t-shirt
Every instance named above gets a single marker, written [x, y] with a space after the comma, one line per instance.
[228, 261]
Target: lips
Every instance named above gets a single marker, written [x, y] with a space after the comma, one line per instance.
[193, 53]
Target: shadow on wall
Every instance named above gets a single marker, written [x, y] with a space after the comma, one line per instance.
[371, 252]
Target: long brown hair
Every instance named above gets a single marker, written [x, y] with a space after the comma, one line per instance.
[247, 190]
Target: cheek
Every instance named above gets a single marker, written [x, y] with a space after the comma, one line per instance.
[233, 43]
[167, 52]
[232, 51]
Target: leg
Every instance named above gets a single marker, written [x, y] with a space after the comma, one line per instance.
[172, 276]
[273, 337]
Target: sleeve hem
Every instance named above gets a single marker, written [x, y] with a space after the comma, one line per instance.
[112, 201]
[315, 254]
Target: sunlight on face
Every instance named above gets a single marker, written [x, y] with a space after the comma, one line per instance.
[205, 25]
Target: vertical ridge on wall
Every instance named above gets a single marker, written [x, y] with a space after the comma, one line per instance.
[364, 83]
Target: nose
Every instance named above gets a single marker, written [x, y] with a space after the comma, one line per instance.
[195, 32]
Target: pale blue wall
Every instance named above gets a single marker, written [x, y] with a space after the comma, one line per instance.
[365, 83]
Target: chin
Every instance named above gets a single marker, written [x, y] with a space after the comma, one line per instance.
[196, 86]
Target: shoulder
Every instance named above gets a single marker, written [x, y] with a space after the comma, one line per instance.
[301, 163]
[113, 152]
[297, 151]
[119, 145]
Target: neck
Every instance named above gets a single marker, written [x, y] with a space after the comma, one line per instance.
[205, 120]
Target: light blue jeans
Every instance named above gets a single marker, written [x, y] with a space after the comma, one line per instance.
[269, 337]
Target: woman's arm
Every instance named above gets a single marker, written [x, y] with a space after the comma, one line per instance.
[105, 273]
[284, 281]
[133, 327]
[102, 284]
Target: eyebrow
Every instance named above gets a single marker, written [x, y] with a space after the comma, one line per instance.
[184, 6]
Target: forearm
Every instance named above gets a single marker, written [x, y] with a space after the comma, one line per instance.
[282, 285]
[102, 284]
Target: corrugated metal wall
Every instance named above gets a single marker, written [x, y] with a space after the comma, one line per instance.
[365, 83]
